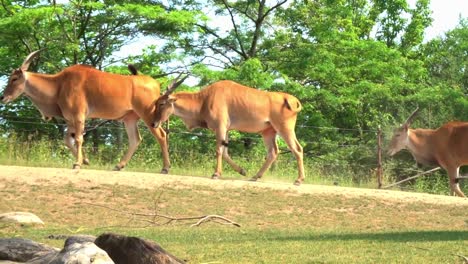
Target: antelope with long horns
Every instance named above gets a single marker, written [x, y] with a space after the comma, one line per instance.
[226, 105]
[80, 92]
[446, 147]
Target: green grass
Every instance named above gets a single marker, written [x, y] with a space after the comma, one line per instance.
[276, 226]
[223, 245]
[344, 167]
[46, 153]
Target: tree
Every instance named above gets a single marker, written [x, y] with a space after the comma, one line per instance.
[447, 59]
[77, 32]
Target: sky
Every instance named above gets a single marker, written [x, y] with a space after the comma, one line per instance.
[446, 14]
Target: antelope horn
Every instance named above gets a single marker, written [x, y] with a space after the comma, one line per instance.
[29, 59]
[410, 118]
[174, 84]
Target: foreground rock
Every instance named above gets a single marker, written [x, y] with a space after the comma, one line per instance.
[123, 249]
[84, 249]
[23, 250]
[21, 218]
[77, 250]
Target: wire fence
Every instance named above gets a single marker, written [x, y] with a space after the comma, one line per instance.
[353, 149]
[340, 154]
[115, 125]
[319, 150]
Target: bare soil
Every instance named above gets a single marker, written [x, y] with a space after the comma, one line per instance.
[86, 177]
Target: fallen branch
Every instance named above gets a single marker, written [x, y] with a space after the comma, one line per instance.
[215, 218]
[410, 178]
[169, 219]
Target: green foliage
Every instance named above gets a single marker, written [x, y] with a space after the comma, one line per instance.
[447, 60]
[355, 65]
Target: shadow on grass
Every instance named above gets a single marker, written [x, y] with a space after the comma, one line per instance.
[410, 236]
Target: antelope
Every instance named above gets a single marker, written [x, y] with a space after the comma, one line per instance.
[226, 105]
[80, 92]
[446, 147]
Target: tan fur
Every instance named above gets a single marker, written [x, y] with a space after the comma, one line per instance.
[80, 92]
[446, 147]
[226, 105]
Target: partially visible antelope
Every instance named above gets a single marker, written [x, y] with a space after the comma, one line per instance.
[80, 92]
[226, 105]
[446, 147]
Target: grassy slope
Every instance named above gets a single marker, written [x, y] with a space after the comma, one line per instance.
[278, 226]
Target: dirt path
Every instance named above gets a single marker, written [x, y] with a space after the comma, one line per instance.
[86, 177]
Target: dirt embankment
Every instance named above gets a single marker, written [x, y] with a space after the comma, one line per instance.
[85, 177]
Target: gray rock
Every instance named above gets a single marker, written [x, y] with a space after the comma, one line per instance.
[81, 253]
[21, 218]
[77, 250]
[23, 250]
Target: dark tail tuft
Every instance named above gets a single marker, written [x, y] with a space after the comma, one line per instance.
[132, 69]
[293, 104]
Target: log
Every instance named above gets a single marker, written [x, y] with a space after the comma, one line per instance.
[124, 249]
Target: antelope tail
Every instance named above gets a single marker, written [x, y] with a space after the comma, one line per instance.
[132, 69]
[293, 104]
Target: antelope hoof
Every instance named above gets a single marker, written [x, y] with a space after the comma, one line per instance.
[118, 168]
[165, 171]
[215, 176]
[243, 172]
[76, 166]
[86, 161]
[297, 182]
[253, 179]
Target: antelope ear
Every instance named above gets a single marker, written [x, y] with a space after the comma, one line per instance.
[18, 71]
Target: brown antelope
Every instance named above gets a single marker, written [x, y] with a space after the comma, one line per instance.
[226, 105]
[446, 147]
[80, 92]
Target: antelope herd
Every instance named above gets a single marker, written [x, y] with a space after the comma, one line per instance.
[82, 92]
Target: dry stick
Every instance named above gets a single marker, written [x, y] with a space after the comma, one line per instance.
[413, 177]
[202, 219]
[215, 218]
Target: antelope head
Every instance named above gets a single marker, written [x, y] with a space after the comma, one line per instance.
[164, 105]
[16, 82]
[400, 135]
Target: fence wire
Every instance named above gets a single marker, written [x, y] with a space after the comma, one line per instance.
[356, 150]
[192, 144]
[142, 128]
